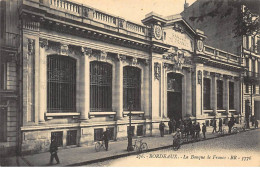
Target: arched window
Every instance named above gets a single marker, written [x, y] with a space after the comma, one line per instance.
[132, 87]
[100, 86]
[61, 84]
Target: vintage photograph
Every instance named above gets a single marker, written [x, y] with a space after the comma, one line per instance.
[129, 83]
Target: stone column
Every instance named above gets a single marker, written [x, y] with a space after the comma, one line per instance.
[85, 108]
[214, 92]
[119, 87]
[226, 94]
[43, 81]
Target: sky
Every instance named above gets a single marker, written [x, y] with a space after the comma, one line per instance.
[135, 10]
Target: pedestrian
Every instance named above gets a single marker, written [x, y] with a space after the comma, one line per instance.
[204, 130]
[256, 124]
[253, 120]
[161, 128]
[192, 130]
[53, 151]
[170, 124]
[197, 131]
[214, 124]
[182, 129]
[173, 125]
[229, 126]
[232, 119]
[220, 125]
[106, 138]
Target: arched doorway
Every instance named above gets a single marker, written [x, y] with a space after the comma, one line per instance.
[174, 96]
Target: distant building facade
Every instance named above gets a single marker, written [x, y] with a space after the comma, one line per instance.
[220, 32]
[81, 69]
[9, 78]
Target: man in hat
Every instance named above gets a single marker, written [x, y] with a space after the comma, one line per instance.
[204, 130]
[220, 125]
[106, 138]
[161, 128]
[53, 151]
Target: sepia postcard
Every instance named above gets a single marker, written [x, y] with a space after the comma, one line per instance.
[129, 83]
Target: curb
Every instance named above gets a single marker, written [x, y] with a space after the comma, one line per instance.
[148, 150]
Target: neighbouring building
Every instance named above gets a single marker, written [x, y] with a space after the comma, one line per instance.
[9, 78]
[221, 34]
[82, 67]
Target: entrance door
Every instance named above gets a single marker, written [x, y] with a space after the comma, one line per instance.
[174, 96]
[174, 105]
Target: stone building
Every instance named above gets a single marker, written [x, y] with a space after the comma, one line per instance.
[9, 78]
[221, 34]
[82, 68]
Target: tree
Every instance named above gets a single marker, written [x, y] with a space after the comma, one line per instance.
[247, 20]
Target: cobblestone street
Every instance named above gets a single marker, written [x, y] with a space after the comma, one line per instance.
[239, 149]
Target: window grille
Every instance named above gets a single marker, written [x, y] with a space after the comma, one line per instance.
[206, 93]
[140, 131]
[132, 87]
[231, 95]
[219, 94]
[100, 86]
[58, 138]
[61, 84]
[174, 82]
[72, 137]
[98, 133]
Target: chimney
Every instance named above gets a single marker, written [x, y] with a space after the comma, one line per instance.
[186, 5]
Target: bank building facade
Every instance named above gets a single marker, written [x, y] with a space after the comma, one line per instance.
[82, 68]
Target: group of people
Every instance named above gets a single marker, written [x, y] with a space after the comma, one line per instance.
[186, 128]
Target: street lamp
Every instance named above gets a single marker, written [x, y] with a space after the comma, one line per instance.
[129, 133]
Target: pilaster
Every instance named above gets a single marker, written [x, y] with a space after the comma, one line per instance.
[86, 84]
[119, 86]
[213, 92]
[42, 80]
[226, 93]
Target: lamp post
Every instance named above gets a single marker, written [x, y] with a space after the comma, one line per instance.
[129, 133]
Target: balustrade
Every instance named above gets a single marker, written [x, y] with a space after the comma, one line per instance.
[221, 55]
[66, 5]
[97, 16]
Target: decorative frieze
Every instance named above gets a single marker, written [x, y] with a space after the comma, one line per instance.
[157, 70]
[86, 51]
[43, 42]
[31, 46]
[64, 49]
[121, 57]
[199, 77]
[134, 61]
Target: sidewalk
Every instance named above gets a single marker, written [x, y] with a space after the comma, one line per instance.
[86, 155]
